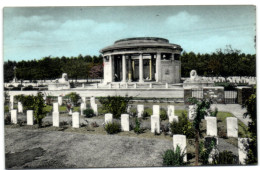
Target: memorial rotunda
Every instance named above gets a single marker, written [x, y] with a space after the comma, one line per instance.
[142, 59]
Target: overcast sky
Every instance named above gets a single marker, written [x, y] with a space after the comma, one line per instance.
[33, 33]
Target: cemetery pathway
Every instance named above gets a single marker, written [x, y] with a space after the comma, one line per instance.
[235, 109]
[55, 149]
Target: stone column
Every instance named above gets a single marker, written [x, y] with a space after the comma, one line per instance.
[133, 69]
[141, 74]
[129, 69]
[158, 67]
[150, 68]
[111, 61]
[123, 68]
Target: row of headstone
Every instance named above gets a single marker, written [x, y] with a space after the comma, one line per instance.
[125, 125]
[234, 79]
[29, 115]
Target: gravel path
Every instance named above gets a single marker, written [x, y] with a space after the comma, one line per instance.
[55, 149]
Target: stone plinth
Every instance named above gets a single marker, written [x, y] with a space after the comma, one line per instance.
[140, 110]
[212, 126]
[108, 118]
[180, 140]
[156, 110]
[171, 110]
[125, 122]
[75, 120]
[14, 116]
[232, 127]
[29, 117]
[155, 123]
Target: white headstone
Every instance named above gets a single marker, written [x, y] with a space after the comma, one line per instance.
[29, 117]
[11, 102]
[125, 122]
[171, 110]
[135, 85]
[59, 100]
[166, 86]
[155, 123]
[56, 115]
[173, 118]
[75, 120]
[14, 116]
[212, 126]
[140, 110]
[70, 112]
[110, 86]
[95, 109]
[108, 118]
[126, 86]
[82, 108]
[232, 127]
[92, 102]
[192, 112]
[83, 99]
[242, 151]
[180, 140]
[151, 85]
[56, 119]
[55, 107]
[20, 107]
[156, 110]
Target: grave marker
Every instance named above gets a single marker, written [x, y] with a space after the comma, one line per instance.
[29, 117]
[75, 120]
[155, 123]
[180, 140]
[125, 122]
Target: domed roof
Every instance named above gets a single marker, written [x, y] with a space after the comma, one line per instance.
[137, 42]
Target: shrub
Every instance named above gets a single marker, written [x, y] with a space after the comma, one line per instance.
[145, 115]
[30, 87]
[148, 111]
[88, 113]
[173, 158]
[94, 124]
[226, 158]
[183, 127]
[204, 152]
[163, 114]
[74, 97]
[137, 128]
[7, 119]
[115, 104]
[112, 127]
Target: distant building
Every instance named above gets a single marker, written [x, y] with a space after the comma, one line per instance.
[142, 59]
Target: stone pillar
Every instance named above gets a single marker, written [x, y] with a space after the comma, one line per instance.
[158, 67]
[108, 118]
[180, 140]
[155, 123]
[212, 126]
[29, 117]
[125, 122]
[56, 115]
[129, 69]
[133, 69]
[140, 110]
[14, 116]
[123, 68]
[141, 74]
[75, 120]
[92, 102]
[232, 127]
[171, 110]
[60, 100]
[242, 151]
[156, 110]
[150, 69]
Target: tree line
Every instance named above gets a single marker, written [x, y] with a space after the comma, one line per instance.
[52, 68]
[222, 62]
[227, 62]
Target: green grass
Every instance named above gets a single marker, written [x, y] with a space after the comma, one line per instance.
[179, 112]
[48, 108]
[6, 108]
